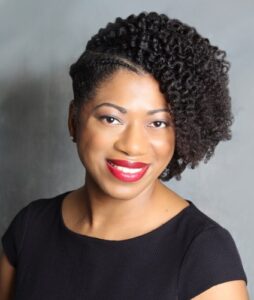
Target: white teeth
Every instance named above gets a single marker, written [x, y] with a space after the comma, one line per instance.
[126, 170]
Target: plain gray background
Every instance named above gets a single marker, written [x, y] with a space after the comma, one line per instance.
[40, 39]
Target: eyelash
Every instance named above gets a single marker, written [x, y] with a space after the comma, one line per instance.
[110, 117]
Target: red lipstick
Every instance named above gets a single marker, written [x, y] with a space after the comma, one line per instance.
[127, 171]
[127, 163]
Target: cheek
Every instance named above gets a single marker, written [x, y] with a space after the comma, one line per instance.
[164, 147]
[92, 142]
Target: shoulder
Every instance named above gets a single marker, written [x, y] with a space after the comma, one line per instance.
[43, 213]
[43, 205]
[211, 256]
[193, 223]
[199, 220]
[31, 217]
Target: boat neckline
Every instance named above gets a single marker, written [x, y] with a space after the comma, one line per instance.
[148, 234]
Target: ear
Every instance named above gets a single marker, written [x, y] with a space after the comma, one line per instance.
[72, 120]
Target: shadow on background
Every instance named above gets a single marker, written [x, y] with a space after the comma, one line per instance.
[37, 157]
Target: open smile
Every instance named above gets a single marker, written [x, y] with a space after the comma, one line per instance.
[127, 174]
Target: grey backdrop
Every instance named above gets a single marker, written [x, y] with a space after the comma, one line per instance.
[40, 39]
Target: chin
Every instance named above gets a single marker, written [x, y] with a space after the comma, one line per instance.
[126, 191]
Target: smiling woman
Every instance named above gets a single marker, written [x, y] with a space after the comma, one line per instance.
[134, 129]
[150, 99]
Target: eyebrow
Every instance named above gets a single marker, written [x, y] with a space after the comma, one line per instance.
[124, 111]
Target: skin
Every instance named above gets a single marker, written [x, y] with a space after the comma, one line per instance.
[7, 277]
[110, 208]
[106, 207]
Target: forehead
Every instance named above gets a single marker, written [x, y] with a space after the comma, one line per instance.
[133, 91]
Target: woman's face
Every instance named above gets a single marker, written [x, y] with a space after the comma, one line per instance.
[127, 120]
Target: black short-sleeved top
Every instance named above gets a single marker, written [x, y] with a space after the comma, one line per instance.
[176, 261]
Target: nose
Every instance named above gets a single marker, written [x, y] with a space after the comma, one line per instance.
[133, 141]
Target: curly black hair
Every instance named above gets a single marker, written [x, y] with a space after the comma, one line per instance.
[192, 75]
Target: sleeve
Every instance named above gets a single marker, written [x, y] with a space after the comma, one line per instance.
[13, 238]
[212, 258]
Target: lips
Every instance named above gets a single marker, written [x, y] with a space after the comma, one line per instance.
[127, 171]
[127, 163]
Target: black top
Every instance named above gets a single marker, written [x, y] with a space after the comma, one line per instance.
[176, 261]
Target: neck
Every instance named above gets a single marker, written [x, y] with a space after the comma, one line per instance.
[101, 210]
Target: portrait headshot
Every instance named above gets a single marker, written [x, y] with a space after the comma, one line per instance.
[126, 150]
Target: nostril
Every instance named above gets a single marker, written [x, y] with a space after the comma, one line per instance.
[131, 148]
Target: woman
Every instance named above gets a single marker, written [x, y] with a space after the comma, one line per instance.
[150, 99]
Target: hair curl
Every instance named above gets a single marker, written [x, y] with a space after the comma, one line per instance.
[192, 75]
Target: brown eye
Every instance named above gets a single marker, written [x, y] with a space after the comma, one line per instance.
[160, 124]
[109, 120]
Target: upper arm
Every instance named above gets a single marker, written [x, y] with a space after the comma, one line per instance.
[12, 242]
[7, 276]
[231, 290]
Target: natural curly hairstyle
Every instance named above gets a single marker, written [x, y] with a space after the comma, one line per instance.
[192, 75]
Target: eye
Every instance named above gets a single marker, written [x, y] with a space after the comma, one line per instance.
[110, 120]
[159, 124]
